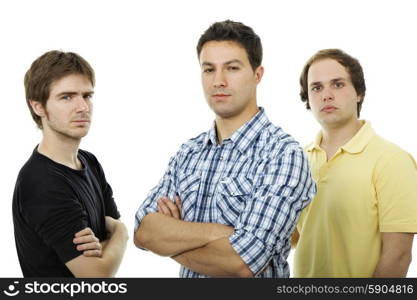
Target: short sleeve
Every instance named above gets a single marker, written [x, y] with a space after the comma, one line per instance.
[264, 227]
[56, 215]
[396, 191]
[109, 203]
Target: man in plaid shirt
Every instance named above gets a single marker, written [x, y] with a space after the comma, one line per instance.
[230, 198]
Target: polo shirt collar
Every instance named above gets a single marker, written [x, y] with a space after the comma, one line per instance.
[316, 144]
[354, 145]
[360, 139]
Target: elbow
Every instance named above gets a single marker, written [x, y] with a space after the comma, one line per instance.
[104, 272]
[101, 270]
[143, 234]
[144, 240]
[140, 238]
[244, 271]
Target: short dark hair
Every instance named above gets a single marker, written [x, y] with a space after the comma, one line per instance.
[237, 32]
[352, 65]
[48, 68]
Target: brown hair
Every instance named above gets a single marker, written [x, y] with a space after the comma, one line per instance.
[236, 32]
[48, 68]
[351, 64]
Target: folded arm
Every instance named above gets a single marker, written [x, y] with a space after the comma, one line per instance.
[111, 254]
[168, 236]
[263, 226]
[216, 259]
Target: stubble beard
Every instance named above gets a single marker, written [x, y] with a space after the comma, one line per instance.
[66, 134]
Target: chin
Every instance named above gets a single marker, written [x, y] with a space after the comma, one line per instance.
[225, 111]
[76, 135]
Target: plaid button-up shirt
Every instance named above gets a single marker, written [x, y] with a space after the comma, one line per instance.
[257, 181]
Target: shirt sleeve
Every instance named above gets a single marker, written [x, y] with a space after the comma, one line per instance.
[165, 187]
[268, 219]
[56, 216]
[396, 191]
[109, 203]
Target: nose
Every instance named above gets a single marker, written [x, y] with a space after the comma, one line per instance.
[327, 95]
[219, 80]
[83, 105]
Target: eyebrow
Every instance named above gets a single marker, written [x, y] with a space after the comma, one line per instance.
[74, 93]
[206, 63]
[332, 80]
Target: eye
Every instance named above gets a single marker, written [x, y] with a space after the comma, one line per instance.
[208, 70]
[88, 96]
[233, 68]
[339, 84]
[316, 88]
[66, 97]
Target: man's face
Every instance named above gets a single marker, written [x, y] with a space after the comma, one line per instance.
[229, 83]
[69, 108]
[331, 94]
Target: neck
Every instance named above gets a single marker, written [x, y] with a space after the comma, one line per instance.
[336, 137]
[225, 127]
[61, 149]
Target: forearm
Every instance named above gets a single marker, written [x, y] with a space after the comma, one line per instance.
[168, 236]
[216, 259]
[113, 250]
[393, 265]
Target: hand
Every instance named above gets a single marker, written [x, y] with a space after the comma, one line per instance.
[87, 242]
[168, 208]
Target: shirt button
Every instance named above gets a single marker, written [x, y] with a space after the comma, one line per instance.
[221, 157]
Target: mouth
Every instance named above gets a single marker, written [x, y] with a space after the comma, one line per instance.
[329, 108]
[220, 96]
[81, 122]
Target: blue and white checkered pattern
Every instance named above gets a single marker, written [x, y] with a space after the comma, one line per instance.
[257, 181]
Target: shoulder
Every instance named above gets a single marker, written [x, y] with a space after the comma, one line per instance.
[194, 144]
[39, 183]
[37, 172]
[276, 143]
[387, 152]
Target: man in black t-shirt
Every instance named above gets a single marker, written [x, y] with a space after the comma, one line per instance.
[65, 218]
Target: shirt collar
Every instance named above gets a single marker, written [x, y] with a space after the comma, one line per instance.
[245, 135]
[360, 139]
[355, 145]
[316, 144]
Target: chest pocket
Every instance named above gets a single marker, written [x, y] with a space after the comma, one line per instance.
[233, 192]
[188, 185]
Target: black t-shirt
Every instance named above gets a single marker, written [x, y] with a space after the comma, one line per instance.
[52, 202]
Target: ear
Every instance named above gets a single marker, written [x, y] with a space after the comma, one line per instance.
[259, 72]
[37, 108]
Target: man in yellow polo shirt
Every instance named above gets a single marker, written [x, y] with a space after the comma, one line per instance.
[362, 221]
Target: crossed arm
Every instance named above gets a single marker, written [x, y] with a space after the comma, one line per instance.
[201, 247]
[99, 259]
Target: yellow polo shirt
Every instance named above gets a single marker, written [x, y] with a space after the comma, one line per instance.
[369, 186]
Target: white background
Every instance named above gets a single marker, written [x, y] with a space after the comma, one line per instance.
[148, 94]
